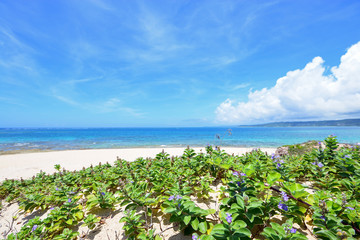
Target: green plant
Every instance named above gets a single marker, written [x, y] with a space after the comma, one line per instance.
[91, 220]
[185, 212]
[282, 232]
[318, 189]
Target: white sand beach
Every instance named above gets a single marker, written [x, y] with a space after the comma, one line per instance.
[26, 165]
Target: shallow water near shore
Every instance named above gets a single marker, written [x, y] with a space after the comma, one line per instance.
[16, 139]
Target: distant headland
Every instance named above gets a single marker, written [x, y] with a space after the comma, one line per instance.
[324, 123]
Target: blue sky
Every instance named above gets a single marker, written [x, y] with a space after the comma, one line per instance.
[155, 63]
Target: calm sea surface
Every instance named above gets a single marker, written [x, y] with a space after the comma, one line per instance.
[94, 138]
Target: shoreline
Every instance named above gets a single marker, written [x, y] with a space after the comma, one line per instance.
[26, 165]
[39, 150]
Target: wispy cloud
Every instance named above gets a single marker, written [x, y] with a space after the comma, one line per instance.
[217, 62]
[12, 101]
[78, 81]
[115, 105]
[157, 38]
[68, 92]
[15, 54]
[240, 86]
[104, 5]
[12, 39]
[111, 105]
[66, 100]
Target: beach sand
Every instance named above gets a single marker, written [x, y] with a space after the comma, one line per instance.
[26, 165]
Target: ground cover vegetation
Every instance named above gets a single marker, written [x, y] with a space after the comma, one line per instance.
[260, 196]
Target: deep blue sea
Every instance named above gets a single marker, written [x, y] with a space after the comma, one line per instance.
[96, 138]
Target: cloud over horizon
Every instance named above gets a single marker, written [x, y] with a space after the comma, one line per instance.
[308, 94]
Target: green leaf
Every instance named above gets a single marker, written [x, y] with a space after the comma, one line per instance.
[187, 219]
[299, 236]
[243, 231]
[270, 233]
[219, 230]
[326, 233]
[235, 207]
[239, 224]
[240, 201]
[225, 166]
[210, 211]
[255, 211]
[79, 215]
[157, 237]
[279, 229]
[207, 237]
[250, 217]
[225, 201]
[249, 169]
[195, 224]
[69, 221]
[142, 236]
[170, 210]
[297, 190]
[273, 177]
[254, 204]
[203, 227]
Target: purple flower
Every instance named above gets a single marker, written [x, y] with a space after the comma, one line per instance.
[346, 156]
[242, 174]
[278, 165]
[171, 198]
[313, 163]
[320, 165]
[132, 181]
[102, 193]
[228, 218]
[52, 208]
[235, 173]
[57, 189]
[178, 197]
[194, 237]
[323, 218]
[69, 200]
[292, 230]
[351, 208]
[273, 156]
[283, 206]
[284, 196]
[34, 227]
[319, 144]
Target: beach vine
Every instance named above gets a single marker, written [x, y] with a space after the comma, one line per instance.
[257, 196]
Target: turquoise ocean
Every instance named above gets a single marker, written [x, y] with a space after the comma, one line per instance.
[101, 138]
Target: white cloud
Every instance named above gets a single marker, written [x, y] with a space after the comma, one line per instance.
[303, 94]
